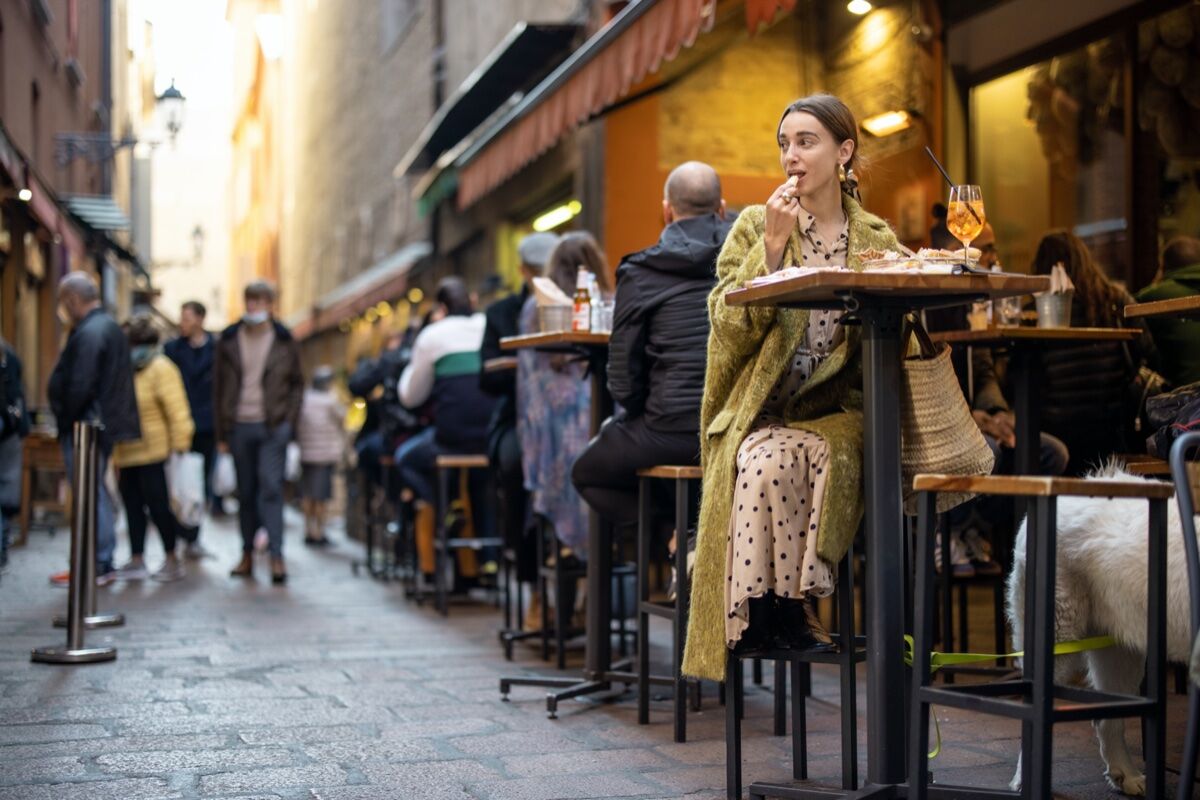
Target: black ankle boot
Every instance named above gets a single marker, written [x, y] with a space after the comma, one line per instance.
[757, 636]
[798, 628]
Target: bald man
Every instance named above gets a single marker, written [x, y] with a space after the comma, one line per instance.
[658, 347]
[93, 382]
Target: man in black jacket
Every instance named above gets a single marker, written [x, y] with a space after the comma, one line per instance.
[503, 448]
[657, 350]
[93, 382]
[14, 426]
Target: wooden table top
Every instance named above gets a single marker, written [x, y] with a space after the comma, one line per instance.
[825, 287]
[1175, 307]
[552, 339]
[1006, 334]
[1030, 486]
[501, 364]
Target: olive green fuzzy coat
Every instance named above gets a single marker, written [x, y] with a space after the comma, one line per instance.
[748, 350]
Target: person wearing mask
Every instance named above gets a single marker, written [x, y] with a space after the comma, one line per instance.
[1177, 340]
[322, 442]
[444, 372]
[93, 382]
[193, 353]
[14, 426]
[1087, 388]
[504, 449]
[258, 386]
[554, 402]
[656, 352]
[166, 424]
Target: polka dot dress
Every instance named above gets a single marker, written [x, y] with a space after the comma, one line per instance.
[781, 476]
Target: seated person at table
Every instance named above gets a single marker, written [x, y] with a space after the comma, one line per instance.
[445, 371]
[554, 402]
[1177, 340]
[1087, 388]
[969, 552]
[387, 422]
[504, 449]
[781, 421]
[656, 354]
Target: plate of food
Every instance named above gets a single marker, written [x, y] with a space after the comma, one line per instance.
[926, 259]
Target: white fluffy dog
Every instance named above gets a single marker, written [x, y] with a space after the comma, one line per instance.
[1101, 591]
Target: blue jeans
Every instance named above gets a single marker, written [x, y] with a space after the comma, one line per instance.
[106, 532]
[259, 458]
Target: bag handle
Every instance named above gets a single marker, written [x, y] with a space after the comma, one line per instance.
[915, 328]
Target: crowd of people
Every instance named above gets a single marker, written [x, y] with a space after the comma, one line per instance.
[765, 398]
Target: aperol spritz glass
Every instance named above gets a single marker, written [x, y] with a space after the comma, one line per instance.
[965, 215]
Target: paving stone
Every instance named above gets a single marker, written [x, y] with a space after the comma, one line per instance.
[519, 742]
[564, 787]
[113, 744]
[169, 761]
[33, 770]
[121, 789]
[310, 777]
[12, 733]
[303, 735]
[360, 750]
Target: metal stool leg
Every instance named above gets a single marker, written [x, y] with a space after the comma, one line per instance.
[643, 595]
[439, 548]
[781, 697]
[1041, 640]
[1156, 652]
[799, 724]
[918, 771]
[733, 731]
[681, 609]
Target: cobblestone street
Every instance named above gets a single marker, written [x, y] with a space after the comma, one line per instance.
[335, 688]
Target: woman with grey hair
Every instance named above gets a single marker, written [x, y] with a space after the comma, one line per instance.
[322, 442]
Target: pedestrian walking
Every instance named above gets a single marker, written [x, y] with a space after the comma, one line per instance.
[322, 444]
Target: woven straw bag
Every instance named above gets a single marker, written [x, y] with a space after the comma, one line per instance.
[938, 434]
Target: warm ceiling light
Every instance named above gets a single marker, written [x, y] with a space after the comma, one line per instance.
[25, 195]
[415, 296]
[859, 7]
[383, 308]
[887, 123]
[557, 216]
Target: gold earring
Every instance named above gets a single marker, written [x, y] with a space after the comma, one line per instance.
[841, 172]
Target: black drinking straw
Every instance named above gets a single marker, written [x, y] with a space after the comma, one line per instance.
[949, 182]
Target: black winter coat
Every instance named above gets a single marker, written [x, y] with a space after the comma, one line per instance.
[503, 319]
[660, 326]
[93, 380]
[1085, 396]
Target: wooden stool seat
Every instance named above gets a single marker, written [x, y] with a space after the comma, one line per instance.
[1010, 485]
[1148, 466]
[474, 461]
[674, 473]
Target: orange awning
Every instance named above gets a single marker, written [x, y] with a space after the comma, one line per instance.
[633, 45]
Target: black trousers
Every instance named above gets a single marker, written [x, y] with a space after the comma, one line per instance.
[143, 489]
[606, 473]
[504, 451]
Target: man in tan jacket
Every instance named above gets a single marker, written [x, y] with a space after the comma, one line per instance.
[257, 389]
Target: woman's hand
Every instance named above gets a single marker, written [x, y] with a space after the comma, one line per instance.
[782, 210]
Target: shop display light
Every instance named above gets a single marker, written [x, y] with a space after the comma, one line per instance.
[557, 216]
[25, 195]
[859, 7]
[887, 123]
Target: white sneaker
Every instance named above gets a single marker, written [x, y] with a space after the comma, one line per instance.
[133, 571]
[195, 551]
[170, 571]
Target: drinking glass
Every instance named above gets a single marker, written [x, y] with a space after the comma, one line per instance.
[965, 215]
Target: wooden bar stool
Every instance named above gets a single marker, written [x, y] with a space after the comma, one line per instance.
[444, 544]
[1031, 699]
[677, 611]
[40, 453]
[851, 651]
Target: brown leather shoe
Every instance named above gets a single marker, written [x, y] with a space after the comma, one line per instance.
[244, 568]
[278, 572]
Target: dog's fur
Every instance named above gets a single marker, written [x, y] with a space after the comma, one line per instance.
[1101, 591]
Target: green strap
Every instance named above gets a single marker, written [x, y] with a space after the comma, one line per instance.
[938, 660]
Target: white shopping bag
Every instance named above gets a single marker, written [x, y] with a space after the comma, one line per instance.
[185, 482]
[224, 476]
[291, 469]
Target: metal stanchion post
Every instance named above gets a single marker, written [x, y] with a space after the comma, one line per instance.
[91, 618]
[83, 556]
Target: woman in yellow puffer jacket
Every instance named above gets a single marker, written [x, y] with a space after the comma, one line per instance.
[167, 427]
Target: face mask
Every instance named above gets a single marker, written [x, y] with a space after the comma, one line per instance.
[255, 317]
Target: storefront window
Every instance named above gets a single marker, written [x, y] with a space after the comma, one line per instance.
[1048, 147]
